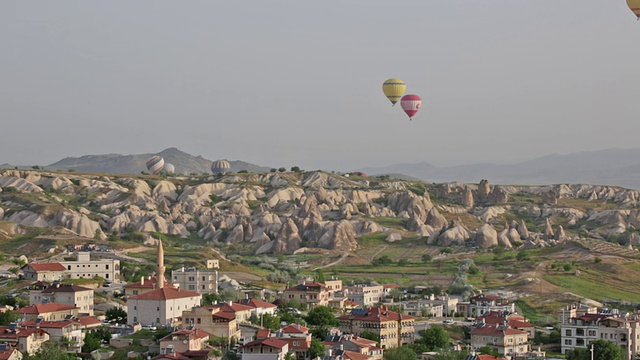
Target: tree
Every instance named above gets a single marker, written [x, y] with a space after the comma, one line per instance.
[522, 255]
[282, 169]
[289, 356]
[321, 316]
[50, 350]
[295, 168]
[210, 298]
[606, 350]
[271, 322]
[434, 338]
[317, 348]
[371, 336]
[400, 353]
[403, 262]
[91, 342]
[8, 317]
[273, 170]
[579, 354]
[382, 260]
[116, 314]
[426, 258]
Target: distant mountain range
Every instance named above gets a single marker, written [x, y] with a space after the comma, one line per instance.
[617, 167]
[133, 164]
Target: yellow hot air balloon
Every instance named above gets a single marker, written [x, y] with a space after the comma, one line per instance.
[634, 5]
[394, 88]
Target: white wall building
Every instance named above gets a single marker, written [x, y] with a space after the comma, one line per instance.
[193, 279]
[85, 268]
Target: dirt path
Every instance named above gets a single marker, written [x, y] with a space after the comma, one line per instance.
[344, 256]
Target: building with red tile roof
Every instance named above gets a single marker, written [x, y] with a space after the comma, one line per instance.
[394, 329]
[212, 320]
[9, 353]
[75, 295]
[160, 307]
[68, 328]
[184, 340]
[43, 271]
[25, 340]
[504, 339]
[259, 307]
[48, 311]
[144, 285]
[309, 293]
[265, 349]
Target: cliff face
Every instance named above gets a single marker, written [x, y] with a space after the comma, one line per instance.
[282, 212]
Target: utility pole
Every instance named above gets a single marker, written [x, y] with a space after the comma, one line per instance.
[591, 351]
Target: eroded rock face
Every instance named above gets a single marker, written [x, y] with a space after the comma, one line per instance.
[483, 190]
[467, 198]
[486, 237]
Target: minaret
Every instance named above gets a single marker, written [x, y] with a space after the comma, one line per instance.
[160, 266]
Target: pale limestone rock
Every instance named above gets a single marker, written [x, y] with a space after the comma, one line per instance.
[522, 230]
[154, 224]
[179, 229]
[489, 213]
[20, 184]
[80, 224]
[265, 248]
[288, 240]
[548, 230]
[207, 232]
[550, 197]
[165, 189]
[486, 237]
[284, 195]
[499, 195]
[513, 235]
[457, 234]
[435, 219]
[560, 234]
[467, 198]
[28, 218]
[309, 209]
[393, 237]
[1, 213]
[236, 235]
[503, 238]
[367, 227]
[483, 190]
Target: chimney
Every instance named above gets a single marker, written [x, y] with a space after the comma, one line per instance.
[230, 302]
[142, 280]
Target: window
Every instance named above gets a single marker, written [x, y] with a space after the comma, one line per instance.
[106, 266]
[568, 342]
[567, 332]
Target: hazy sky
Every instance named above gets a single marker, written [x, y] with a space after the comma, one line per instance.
[283, 83]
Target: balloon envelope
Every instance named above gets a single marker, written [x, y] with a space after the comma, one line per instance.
[169, 168]
[394, 89]
[155, 164]
[634, 5]
[411, 104]
[220, 166]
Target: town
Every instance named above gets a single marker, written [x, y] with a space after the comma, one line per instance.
[181, 315]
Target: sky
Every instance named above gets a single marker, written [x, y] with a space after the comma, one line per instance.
[298, 83]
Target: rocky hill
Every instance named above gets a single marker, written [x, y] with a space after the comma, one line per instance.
[134, 164]
[285, 212]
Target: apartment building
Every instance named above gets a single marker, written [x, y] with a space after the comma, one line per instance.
[75, 295]
[213, 320]
[365, 295]
[309, 293]
[502, 338]
[394, 329]
[85, 268]
[579, 332]
[193, 279]
[481, 304]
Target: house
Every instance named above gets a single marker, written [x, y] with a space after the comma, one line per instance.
[48, 311]
[365, 295]
[503, 339]
[480, 304]
[85, 268]
[160, 307]
[242, 312]
[259, 307]
[9, 353]
[193, 279]
[185, 340]
[394, 329]
[25, 340]
[309, 294]
[43, 271]
[298, 338]
[423, 307]
[212, 320]
[57, 330]
[265, 349]
[514, 321]
[348, 344]
[579, 332]
[75, 295]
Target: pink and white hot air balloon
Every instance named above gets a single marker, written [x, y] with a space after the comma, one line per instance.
[411, 104]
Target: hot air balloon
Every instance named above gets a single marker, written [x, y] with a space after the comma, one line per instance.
[220, 166]
[155, 164]
[411, 104]
[634, 5]
[169, 168]
[394, 89]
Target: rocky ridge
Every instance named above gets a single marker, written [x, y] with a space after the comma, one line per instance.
[283, 212]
